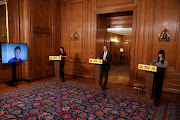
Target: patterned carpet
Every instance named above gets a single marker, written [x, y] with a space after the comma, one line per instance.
[51, 100]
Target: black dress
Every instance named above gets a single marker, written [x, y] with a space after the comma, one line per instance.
[62, 62]
[159, 77]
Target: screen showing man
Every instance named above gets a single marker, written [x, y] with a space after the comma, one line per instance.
[17, 54]
[13, 52]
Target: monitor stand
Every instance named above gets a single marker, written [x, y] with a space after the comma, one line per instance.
[14, 78]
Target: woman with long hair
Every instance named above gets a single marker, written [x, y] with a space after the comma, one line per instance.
[161, 63]
[62, 62]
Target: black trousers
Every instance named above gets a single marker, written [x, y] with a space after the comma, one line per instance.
[106, 70]
[158, 82]
[62, 68]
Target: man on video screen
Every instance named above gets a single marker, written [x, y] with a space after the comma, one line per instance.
[17, 53]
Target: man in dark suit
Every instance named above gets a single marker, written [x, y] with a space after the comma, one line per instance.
[107, 58]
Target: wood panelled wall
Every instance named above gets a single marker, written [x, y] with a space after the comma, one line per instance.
[34, 22]
[102, 35]
[127, 44]
[114, 47]
[6, 69]
[120, 21]
[77, 16]
[152, 17]
[44, 41]
[52, 23]
[3, 30]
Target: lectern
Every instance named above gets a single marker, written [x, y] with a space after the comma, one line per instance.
[148, 98]
[57, 65]
[97, 72]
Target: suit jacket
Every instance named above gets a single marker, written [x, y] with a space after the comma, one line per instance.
[108, 58]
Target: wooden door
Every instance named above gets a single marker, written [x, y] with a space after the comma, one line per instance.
[42, 40]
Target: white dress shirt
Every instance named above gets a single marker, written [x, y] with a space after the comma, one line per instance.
[105, 54]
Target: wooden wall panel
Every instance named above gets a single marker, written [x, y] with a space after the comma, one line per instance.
[44, 47]
[167, 17]
[108, 3]
[43, 37]
[42, 16]
[127, 44]
[3, 30]
[143, 24]
[5, 72]
[25, 36]
[101, 34]
[57, 26]
[113, 6]
[76, 22]
[13, 14]
[120, 22]
[114, 47]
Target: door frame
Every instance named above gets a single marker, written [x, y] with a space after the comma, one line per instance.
[132, 8]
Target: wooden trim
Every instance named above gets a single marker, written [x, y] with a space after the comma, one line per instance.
[119, 8]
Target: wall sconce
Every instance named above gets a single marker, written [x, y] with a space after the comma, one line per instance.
[164, 36]
[76, 36]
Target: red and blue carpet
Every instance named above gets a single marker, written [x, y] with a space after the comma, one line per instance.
[51, 100]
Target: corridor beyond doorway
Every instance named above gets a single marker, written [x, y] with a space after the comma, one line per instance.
[115, 31]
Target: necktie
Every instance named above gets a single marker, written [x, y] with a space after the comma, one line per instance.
[104, 57]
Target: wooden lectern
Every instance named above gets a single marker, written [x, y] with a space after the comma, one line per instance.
[149, 81]
[97, 73]
[57, 66]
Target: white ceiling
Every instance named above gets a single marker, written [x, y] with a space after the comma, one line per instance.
[121, 31]
[2, 3]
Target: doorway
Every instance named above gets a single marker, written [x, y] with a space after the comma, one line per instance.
[115, 31]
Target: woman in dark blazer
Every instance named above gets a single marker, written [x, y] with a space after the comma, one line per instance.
[62, 62]
[161, 63]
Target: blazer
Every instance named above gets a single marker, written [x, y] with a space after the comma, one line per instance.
[108, 58]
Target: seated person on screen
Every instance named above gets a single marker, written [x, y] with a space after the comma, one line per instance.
[17, 53]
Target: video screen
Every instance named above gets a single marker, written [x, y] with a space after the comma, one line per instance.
[13, 52]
